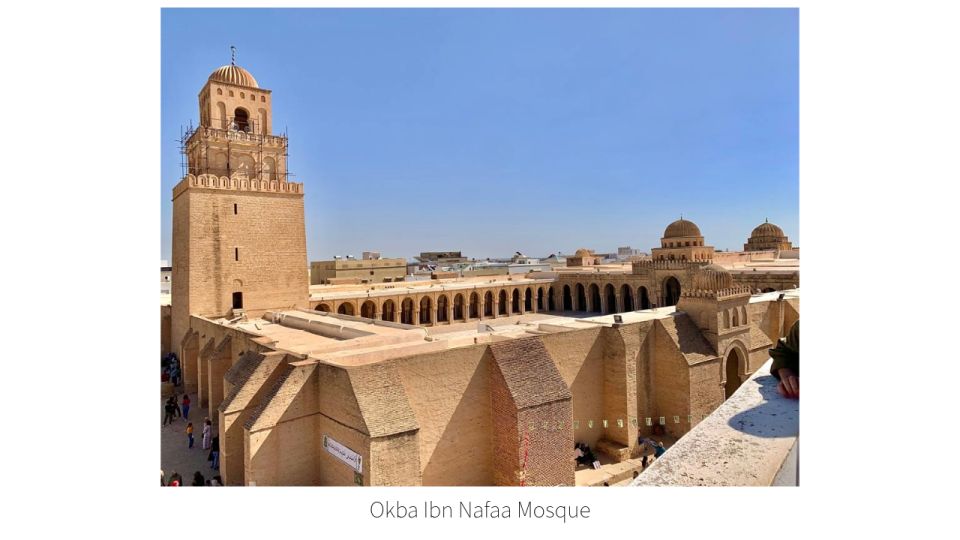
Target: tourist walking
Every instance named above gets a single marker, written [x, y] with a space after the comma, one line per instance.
[186, 406]
[207, 429]
[175, 480]
[190, 434]
[198, 479]
[215, 453]
[168, 412]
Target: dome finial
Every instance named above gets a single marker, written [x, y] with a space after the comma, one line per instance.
[766, 220]
[233, 55]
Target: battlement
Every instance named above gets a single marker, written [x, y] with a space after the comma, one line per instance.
[237, 182]
[667, 264]
[716, 295]
[206, 133]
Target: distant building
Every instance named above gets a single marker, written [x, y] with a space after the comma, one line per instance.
[767, 236]
[583, 257]
[441, 257]
[357, 271]
[166, 273]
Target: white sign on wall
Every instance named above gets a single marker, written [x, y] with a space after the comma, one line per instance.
[344, 454]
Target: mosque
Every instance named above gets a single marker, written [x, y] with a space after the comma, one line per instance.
[451, 381]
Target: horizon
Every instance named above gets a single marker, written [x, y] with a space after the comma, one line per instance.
[521, 115]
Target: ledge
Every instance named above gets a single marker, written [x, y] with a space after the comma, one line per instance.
[752, 439]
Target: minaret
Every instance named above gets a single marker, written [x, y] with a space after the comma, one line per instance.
[239, 243]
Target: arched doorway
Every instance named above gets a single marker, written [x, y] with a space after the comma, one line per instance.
[627, 296]
[769, 289]
[515, 306]
[643, 298]
[488, 304]
[425, 310]
[528, 300]
[474, 305]
[567, 299]
[595, 298]
[323, 307]
[611, 295]
[502, 305]
[458, 307]
[551, 305]
[581, 298]
[733, 369]
[442, 308]
[388, 311]
[540, 299]
[671, 291]
[367, 310]
[406, 311]
[345, 309]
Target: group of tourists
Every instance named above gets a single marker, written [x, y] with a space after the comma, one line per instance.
[172, 409]
[176, 480]
[170, 370]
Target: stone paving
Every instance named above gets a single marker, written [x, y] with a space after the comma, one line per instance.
[174, 454]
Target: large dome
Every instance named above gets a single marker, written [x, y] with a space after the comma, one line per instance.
[712, 277]
[767, 230]
[584, 252]
[681, 227]
[233, 74]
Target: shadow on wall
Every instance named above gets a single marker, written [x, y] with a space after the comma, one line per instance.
[774, 417]
[466, 432]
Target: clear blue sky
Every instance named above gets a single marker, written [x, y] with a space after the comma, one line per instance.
[494, 131]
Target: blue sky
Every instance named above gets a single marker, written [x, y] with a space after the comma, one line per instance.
[494, 131]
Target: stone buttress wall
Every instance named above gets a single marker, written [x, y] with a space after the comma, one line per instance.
[449, 393]
[579, 357]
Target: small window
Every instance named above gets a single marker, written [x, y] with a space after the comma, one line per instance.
[371, 272]
[231, 93]
[263, 98]
[236, 254]
[253, 97]
[238, 300]
[219, 91]
[242, 95]
[234, 208]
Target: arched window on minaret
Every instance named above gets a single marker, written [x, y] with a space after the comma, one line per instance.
[241, 119]
[222, 115]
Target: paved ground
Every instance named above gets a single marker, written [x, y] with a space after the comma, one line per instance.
[174, 454]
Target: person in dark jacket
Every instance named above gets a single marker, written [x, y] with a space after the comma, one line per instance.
[198, 479]
[786, 363]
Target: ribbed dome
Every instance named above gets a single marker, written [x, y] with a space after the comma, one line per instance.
[233, 74]
[681, 227]
[712, 277]
[584, 252]
[767, 230]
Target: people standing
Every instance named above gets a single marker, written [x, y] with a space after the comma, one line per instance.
[167, 413]
[186, 406]
[175, 480]
[198, 479]
[207, 433]
[190, 434]
[215, 453]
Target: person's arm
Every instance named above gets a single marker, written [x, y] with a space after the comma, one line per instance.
[787, 352]
[786, 363]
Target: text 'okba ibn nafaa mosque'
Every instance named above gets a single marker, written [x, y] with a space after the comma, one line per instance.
[454, 380]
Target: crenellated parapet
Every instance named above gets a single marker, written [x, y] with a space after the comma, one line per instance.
[649, 264]
[720, 294]
[239, 181]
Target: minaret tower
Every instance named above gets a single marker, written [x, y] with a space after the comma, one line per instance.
[239, 243]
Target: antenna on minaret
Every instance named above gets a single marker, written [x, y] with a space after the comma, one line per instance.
[233, 55]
